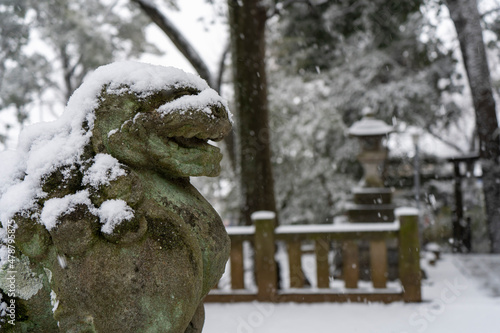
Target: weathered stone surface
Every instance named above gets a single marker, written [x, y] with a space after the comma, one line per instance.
[151, 273]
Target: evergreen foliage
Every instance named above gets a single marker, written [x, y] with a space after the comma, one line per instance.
[330, 60]
[49, 46]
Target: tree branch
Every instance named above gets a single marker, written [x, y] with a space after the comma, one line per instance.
[178, 39]
[71, 71]
[445, 141]
[230, 139]
[488, 12]
[66, 71]
[220, 72]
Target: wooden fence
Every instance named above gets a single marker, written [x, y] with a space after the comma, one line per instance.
[263, 235]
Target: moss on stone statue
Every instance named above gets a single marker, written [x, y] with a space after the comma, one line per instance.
[152, 271]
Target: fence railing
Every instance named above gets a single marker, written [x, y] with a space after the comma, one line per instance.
[263, 235]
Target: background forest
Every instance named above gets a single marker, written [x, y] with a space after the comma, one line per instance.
[304, 71]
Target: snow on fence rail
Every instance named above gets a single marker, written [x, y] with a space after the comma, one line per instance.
[263, 236]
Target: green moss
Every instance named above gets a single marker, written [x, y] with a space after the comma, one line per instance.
[63, 181]
[162, 322]
[151, 273]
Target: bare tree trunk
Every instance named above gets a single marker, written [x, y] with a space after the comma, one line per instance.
[466, 18]
[247, 21]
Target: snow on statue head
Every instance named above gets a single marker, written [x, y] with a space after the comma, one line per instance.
[110, 236]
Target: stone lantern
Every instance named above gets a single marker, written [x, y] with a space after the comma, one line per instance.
[370, 132]
[372, 202]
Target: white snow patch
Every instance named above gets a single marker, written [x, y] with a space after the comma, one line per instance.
[20, 196]
[4, 255]
[144, 79]
[369, 126]
[240, 230]
[55, 207]
[452, 303]
[406, 211]
[336, 228]
[113, 131]
[48, 272]
[105, 168]
[112, 213]
[54, 301]
[263, 215]
[10, 169]
[433, 247]
[198, 102]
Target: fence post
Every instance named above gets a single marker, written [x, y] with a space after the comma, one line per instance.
[409, 256]
[265, 264]
[322, 247]
[236, 259]
[378, 263]
[350, 265]
[295, 264]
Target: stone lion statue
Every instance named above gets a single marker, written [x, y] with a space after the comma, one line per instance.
[99, 218]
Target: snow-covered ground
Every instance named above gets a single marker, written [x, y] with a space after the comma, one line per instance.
[455, 301]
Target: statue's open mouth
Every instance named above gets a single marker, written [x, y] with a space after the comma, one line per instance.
[194, 143]
[190, 157]
[190, 142]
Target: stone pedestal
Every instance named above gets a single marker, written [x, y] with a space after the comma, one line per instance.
[371, 204]
[374, 205]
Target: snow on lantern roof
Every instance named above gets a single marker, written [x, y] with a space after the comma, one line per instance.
[369, 126]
